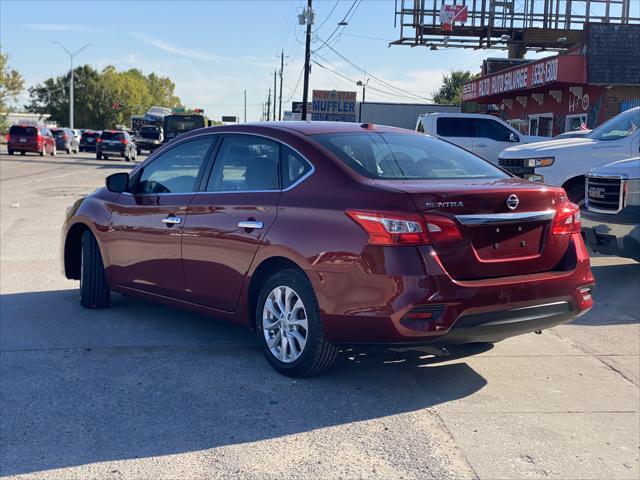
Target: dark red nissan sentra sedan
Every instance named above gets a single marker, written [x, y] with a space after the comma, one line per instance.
[319, 235]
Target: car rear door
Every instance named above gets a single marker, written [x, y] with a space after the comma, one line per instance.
[491, 138]
[145, 234]
[228, 219]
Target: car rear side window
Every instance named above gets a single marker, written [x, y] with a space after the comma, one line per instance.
[176, 170]
[456, 127]
[399, 156]
[294, 167]
[247, 163]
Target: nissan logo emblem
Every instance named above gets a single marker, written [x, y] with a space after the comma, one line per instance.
[513, 202]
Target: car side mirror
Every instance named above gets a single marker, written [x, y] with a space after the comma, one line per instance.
[514, 137]
[117, 182]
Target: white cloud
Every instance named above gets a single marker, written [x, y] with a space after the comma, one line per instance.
[176, 50]
[58, 27]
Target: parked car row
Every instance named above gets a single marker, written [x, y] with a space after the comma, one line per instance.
[42, 140]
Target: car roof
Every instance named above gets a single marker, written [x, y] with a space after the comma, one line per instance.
[308, 128]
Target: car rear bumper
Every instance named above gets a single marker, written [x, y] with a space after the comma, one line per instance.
[22, 147]
[487, 310]
[112, 151]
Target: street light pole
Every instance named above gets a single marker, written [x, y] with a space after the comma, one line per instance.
[71, 55]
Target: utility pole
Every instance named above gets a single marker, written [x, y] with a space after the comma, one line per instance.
[308, 14]
[71, 55]
[281, 75]
[269, 105]
[245, 105]
[275, 75]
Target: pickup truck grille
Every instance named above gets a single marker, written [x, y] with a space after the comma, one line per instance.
[604, 194]
[515, 166]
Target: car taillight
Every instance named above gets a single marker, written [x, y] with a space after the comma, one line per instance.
[442, 229]
[7, 137]
[66, 137]
[391, 228]
[98, 140]
[567, 220]
[39, 138]
[124, 141]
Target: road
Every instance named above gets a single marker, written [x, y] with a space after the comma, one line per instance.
[142, 391]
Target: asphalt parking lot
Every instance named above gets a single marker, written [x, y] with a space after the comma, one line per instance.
[143, 391]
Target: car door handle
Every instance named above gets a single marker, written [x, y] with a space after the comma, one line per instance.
[250, 224]
[172, 220]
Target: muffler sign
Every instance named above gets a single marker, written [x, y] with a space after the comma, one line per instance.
[335, 106]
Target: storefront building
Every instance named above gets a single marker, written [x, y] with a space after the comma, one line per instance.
[576, 90]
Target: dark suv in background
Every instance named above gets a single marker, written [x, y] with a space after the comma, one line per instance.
[113, 143]
[65, 140]
[88, 141]
[30, 138]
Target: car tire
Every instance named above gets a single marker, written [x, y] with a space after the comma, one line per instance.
[44, 151]
[94, 289]
[98, 156]
[54, 151]
[307, 352]
[10, 152]
[23, 153]
[105, 157]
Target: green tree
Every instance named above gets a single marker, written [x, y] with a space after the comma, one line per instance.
[450, 93]
[11, 84]
[102, 99]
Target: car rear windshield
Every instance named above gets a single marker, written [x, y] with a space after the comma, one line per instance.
[23, 131]
[90, 134]
[58, 133]
[399, 156]
[112, 135]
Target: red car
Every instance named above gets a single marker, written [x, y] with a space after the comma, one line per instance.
[319, 235]
[30, 138]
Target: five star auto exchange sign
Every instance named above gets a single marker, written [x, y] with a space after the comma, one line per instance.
[334, 106]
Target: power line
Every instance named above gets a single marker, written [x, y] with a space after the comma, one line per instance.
[393, 95]
[328, 16]
[343, 23]
[389, 85]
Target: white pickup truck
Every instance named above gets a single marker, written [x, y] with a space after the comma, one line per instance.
[484, 135]
[564, 162]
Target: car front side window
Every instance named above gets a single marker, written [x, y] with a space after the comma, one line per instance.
[492, 129]
[176, 170]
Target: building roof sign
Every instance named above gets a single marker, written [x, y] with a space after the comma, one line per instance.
[531, 76]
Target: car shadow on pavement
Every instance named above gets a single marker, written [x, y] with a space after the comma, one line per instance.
[616, 298]
[141, 380]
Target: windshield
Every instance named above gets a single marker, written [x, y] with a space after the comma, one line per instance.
[618, 127]
[183, 123]
[399, 156]
[20, 130]
[58, 133]
[150, 132]
[112, 135]
[90, 134]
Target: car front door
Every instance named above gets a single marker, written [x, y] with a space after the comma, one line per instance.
[492, 137]
[228, 219]
[144, 241]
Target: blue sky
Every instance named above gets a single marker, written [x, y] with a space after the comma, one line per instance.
[214, 49]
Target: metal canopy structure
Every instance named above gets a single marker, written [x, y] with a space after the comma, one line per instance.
[514, 25]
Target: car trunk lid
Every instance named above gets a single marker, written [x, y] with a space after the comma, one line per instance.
[505, 224]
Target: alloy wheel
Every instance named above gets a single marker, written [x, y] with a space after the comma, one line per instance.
[284, 324]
